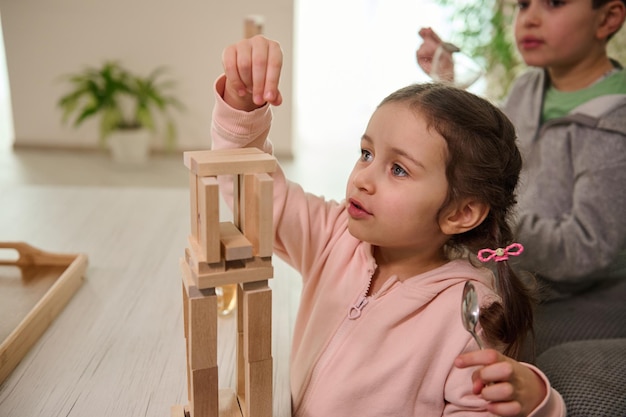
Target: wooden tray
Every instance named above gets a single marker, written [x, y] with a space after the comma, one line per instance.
[34, 288]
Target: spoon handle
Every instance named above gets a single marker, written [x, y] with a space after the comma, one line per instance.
[478, 341]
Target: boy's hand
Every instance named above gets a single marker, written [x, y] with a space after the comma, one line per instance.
[426, 51]
[511, 388]
[252, 67]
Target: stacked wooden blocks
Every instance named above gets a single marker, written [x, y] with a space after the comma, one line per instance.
[221, 253]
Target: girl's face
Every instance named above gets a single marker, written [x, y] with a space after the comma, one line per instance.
[556, 34]
[397, 187]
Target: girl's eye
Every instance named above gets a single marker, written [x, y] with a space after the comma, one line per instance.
[522, 4]
[398, 171]
[366, 156]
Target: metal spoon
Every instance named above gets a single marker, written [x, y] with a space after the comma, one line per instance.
[470, 311]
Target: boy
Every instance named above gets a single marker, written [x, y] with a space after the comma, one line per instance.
[570, 116]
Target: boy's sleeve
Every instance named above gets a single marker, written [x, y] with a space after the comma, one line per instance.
[588, 238]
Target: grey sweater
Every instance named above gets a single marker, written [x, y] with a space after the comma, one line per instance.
[572, 195]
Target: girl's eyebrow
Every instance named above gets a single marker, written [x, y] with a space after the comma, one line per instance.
[398, 151]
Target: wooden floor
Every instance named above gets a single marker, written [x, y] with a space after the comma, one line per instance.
[117, 349]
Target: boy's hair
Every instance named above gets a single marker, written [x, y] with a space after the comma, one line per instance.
[484, 163]
[599, 3]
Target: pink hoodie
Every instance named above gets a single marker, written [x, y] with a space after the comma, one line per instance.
[389, 354]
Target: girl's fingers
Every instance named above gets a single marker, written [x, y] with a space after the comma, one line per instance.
[230, 62]
[259, 69]
[267, 61]
[499, 371]
[253, 67]
[503, 391]
[244, 66]
[505, 409]
[272, 76]
[478, 357]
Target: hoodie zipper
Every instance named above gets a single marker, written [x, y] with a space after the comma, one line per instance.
[353, 313]
[356, 309]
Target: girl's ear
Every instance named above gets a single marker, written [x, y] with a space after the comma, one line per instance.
[611, 19]
[462, 217]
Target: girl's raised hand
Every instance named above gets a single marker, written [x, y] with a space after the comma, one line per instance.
[512, 389]
[252, 68]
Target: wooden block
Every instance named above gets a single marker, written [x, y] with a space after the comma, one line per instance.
[258, 262]
[257, 214]
[203, 268]
[193, 204]
[253, 25]
[257, 324]
[229, 162]
[202, 329]
[177, 411]
[229, 406]
[204, 393]
[185, 309]
[237, 182]
[208, 211]
[240, 310]
[195, 249]
[207, 268]
[234, 244]
[232, 275]
[186, 274]
[241, 367]
[186, 330]
[258, 401]
[191, 261]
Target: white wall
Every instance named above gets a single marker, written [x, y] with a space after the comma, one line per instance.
[45, 39]
[349, 59]
[6, 121]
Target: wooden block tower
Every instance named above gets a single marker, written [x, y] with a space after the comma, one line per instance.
[221, 253]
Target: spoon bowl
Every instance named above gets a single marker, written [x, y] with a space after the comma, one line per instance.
[470, 311]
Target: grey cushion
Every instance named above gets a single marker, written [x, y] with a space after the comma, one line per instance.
[590, 375]
[599, 313]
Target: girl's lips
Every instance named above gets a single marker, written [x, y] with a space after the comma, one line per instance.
[530, 42]
[356, 210]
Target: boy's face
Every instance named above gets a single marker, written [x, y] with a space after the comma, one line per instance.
[557, 34]
[397, 187]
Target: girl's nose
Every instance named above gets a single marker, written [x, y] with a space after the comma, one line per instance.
[363, 178]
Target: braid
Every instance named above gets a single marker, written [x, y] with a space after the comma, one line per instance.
[509, 329]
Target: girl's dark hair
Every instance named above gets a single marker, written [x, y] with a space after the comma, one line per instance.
[483, 162]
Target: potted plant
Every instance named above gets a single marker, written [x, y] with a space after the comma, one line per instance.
[127, 106]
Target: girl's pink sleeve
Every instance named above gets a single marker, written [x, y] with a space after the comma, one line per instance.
[233, 128]
[553, 404]
[302, 222]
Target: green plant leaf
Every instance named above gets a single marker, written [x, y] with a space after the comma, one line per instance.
[119, 98]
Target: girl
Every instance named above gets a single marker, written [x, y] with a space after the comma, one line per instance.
[378, 331]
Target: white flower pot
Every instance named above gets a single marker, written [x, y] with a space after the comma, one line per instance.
[130, 147]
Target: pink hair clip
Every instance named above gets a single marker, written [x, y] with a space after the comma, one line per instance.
[500, 254]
